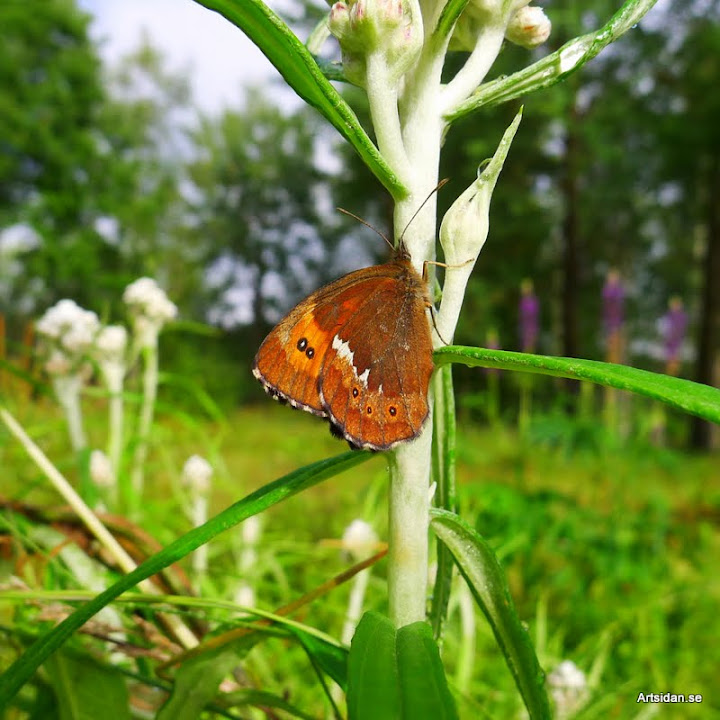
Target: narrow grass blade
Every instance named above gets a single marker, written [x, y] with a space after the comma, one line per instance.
[480, 568]
[694, 398]
[295, 63]
[444, 452]
[21, 670]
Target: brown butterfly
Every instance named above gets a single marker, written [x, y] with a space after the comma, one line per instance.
[358, 352]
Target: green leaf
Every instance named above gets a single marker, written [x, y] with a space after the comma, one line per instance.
[259, 698]
[330, 658]
[85, 690]
[373, 691]
[480, 568]
[423, 687]
[396, 675]
[197, 682]
[694, 398]
[299, 69]
[557, 66]
[271, 494]
[448, 17]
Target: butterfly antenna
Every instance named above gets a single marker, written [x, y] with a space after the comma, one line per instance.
[422, 205]
[366, 224]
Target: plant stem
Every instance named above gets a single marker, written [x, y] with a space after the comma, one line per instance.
[150, 381]
[115, 436]
[67, 389]
[408, 530]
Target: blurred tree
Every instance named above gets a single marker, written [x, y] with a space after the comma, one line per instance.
[141, 173]
[262, 195]
[50, 96]
[92, 163]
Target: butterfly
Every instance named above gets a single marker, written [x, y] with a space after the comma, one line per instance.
[357, 352]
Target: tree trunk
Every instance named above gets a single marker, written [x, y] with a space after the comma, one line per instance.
[709, 324]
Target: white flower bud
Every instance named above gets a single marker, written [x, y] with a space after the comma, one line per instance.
[359, 539]
[252, 530]
[529, 27]
[101, 470]
[67, 322]
[568, 687]
[465, 226]
[111, 342]
[197, 473]
[150, 309]
[146, 297]
[390, 27]
[463, 232]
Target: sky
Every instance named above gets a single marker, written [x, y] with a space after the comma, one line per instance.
[216, 54]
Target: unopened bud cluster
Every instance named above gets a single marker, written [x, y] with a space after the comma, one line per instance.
[150, 309]
[390, 27]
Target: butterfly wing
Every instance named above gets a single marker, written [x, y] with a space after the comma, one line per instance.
[376, 373]
[290, 360]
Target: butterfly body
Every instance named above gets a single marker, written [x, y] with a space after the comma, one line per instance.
[357, 352]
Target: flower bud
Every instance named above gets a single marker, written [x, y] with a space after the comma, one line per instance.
[528, 27]
[197, 473]
[150, 309]
[359, 539]
[111, 342]
[101, 470]
[390, 27]
[465, 226]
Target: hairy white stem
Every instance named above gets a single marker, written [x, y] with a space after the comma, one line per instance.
[67, 389]
[408, 529]
[116, 420]
[382, 97]
[475, 69]
[150, 381]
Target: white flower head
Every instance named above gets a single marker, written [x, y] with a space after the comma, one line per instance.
[112, 341]
[67, 322]
[150, 309]
[359, 539]
[101, 469]
[196, 473]
[146, 297]
[68, 332]
[568, 687]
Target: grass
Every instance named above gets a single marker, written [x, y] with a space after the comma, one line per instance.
[610, 548]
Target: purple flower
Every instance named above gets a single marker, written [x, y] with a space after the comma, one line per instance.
[613, 295]
[675, 322]
[529, 311]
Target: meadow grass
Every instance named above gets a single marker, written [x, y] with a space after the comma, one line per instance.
[610, 551]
